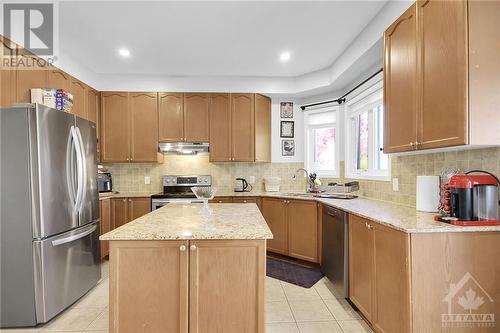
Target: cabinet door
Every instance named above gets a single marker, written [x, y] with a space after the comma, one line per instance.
[226, 286]
[114, 127]
[361, 265]
[400, 74]
[105, 211]
[220, 128]
[144, 127]
[93, 105]
[274, 212]
[119, 213]
[392, 280]
[196, 114]
[262, 128]
[7, 74]
[148, 286]
[442, 31]
[30, 74]
[59, 79]
[79, 91]
[303, 230]
[222, 200]
[138, 207]
[171, 117]
[242, 127]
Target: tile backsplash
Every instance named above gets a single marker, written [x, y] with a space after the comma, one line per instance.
[130, 177]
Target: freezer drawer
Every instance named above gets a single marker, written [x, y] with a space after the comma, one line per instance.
[66, 267]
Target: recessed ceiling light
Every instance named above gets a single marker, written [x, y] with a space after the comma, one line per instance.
[124, 53]
[285, 56]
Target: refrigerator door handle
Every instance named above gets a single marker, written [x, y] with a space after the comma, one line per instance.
[84, 168]
[73, 237]
[70, 169]
[79, 166]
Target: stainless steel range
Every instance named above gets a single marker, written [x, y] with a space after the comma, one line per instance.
[177, 189]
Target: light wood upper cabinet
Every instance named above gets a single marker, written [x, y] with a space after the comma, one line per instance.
[160, 302]
[115, 129]
[242, 124]
[138, 207]
[27, 79]
[274, 211]
[442, 37]
[361, 270]
[171, 117]
[105, 216]
[455, 92]
[196, 117]
[400, 74]
[303, 230]
[220, 270]
[7, 75]
[58, 79]
[220, 128]
[79, 91]
[144, 127]
[262, 128]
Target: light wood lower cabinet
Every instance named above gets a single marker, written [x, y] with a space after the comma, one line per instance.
[105, 216]
[124, 210]
[160, 286]
[295, 227]
[148, 286]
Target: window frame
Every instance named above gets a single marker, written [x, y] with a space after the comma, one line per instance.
[366, 101]
[309, 142]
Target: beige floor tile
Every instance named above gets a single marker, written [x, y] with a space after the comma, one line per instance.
[74, 319]
[319, 327]
[278, 312]
[274, 291]
[296, 293]
[315, 310]
[342, 310]
[104, 269]
[355, 326]
[101, 322]
[282, 328]
[92, 331]
[324, 290]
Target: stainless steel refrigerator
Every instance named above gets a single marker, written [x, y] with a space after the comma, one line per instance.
[49, 209]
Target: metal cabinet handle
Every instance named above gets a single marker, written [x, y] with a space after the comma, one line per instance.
[412, 144]
[182, 248]
[193, 247]
[124, 200]
[331, 214]
[129, 200]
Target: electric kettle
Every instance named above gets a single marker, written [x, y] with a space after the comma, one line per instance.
[242, 186]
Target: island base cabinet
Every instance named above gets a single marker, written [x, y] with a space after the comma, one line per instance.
[148, 286]
[226, 291]
[199, 286]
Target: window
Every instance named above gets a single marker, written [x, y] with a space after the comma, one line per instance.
[364, 136]
[322, 142]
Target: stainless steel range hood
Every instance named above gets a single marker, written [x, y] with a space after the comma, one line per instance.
[183, 148]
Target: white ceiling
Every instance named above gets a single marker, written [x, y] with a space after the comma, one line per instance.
[236, 39]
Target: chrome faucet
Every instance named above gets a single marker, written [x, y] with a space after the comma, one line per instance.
[309, 184]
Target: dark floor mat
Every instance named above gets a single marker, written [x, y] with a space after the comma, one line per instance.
[293, 273]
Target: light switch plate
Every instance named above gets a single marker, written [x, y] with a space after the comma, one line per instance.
[395, 184]
[147, 180]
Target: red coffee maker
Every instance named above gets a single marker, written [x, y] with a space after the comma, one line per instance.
[471, 199]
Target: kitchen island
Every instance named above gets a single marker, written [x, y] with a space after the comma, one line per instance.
[180, 269]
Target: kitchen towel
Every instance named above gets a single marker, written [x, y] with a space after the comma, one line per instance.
[427, 193]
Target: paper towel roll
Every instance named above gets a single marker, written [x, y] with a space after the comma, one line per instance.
[427, 193]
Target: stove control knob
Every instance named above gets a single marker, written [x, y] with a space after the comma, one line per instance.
[206, 180]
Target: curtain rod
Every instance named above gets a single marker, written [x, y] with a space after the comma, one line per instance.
[341, 99]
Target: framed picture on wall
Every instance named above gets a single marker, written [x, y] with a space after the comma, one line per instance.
[287, 147]
[286, 109]
[287, 129]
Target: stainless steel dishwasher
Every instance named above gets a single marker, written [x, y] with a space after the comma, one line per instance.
[335, 249]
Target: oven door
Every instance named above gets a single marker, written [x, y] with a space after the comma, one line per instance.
[158, 203]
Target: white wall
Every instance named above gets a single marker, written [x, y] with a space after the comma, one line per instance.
[276, 143]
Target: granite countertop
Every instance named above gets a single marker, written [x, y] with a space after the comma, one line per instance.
[118, 195]
[406, 219]
[227, 221]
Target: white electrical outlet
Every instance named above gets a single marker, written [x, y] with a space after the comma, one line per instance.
[147, 180]
[251, 179]
[395, 184]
